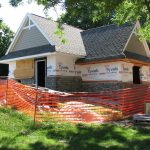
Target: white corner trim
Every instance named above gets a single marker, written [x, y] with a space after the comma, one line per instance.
[17, 35]
[27, 57]
[137, 25]
[44, 34]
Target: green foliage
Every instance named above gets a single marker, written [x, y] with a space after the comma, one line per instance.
[17, 133]
[46, 3]
[145, 31]
[60, 33]
[6, 36]
[15, 2]
[84, 17]
[133, 10]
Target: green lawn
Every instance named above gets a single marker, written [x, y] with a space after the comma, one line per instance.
[17, 133]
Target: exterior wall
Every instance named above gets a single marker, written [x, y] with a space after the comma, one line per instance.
[102, 76]
[145, 74]
[126, 72]
[98, 86]
[62, 74]
[30, 38]
[101, 72]
[62, 65]
[64, 83]
[29, 81]
[113, 71]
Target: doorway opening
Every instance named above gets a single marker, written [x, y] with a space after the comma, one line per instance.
[136, 75]
[40, 72]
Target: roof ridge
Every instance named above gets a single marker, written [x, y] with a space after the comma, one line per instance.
[104, 26]
[56, 21]
[100, 27]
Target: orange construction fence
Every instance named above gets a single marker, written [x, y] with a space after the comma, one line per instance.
[44, 105]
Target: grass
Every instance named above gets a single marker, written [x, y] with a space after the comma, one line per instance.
[17, 133]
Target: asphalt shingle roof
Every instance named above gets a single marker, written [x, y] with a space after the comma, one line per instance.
[28, 52]
[136, 56]
[106, 41]
[74, 44]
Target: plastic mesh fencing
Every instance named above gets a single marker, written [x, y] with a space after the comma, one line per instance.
[3, 89]
[45, 105]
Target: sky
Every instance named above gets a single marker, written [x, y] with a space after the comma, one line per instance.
[13, 16]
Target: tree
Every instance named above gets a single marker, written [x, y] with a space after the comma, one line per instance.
[90, 13]
[6, 36]
[82, 16]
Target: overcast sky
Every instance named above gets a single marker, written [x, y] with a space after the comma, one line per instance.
[13, 16]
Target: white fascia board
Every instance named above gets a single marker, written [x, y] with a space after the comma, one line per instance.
[27, 57]
[44, 34]
[17, 35]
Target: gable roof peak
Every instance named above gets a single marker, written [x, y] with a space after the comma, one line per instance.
[63, 24]
[47, 27]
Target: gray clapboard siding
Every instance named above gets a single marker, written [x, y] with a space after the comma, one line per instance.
[30, 38]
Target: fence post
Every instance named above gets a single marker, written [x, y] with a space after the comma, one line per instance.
[6, 91]
[36, 102]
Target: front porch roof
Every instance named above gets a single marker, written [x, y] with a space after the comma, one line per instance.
[28, 52]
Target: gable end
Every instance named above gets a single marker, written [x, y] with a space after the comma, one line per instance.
[30, 38]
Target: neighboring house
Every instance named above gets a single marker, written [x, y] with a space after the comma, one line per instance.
[90, 60]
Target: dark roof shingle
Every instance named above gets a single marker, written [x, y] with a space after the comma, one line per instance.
[106, 41]
[29, 52]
